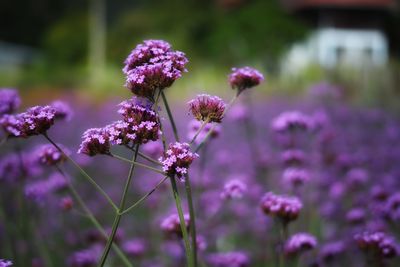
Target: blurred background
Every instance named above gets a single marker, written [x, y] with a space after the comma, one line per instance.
[53, 47]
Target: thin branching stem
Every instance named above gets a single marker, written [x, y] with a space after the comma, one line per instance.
[88, 214]
[84, 173]
[118, 215]
[138, 164]
[199, 131]
[143, 198]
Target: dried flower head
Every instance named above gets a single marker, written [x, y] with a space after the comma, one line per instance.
[95, 141]
[178, 159]
[9, 101]
[245, 78]
[283, 207]
[299, 243]
[207, 108]
[49, 155]
[377, 243]
[171, 224]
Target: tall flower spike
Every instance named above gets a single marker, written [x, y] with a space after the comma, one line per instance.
[207, 108]
[245, 78]
[9, 101]
[283, 207]
[95, 141]
[178, 159]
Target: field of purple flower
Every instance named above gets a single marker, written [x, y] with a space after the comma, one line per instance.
[250, 182]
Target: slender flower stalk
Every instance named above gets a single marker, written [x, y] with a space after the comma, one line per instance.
[92, 218]
[137, 163]
[187, 188]
[143, 198]
[121, 207]
[198, 132]
[84, 173]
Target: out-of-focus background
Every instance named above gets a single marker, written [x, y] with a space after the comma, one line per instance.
[56, 47]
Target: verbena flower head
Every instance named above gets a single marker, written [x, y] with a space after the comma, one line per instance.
[153, 65]
[49, 155]
[377, 243]
[135, 247]
[245, 78]
[331, 250]
[95, 141]
[86, 257]
[9, 101]
[140, 123]
[12, 125]
[229, 259]
[143, 53]
[36, 120]
[178, 159]
[5, 263]
[293, 157]
[283, 207]
[392, 207]
[355, 216]
[234, 189]
[171, 224]
[63, 110]
[291, 120]
[207, 108]
[296, 176]
[39, 190]
[299, 243]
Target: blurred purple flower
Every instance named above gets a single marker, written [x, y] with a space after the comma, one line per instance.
[5, 263]
[234, 189]
[283, 207]
[135, 247]
[377, 243]
[244, 78]
[171, 225]
[229, 259]
[299, 243]
[207, 108]
[63, 110]
[9, 101]
[49, 155]
[291, 120]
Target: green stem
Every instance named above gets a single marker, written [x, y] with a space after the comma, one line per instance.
[118, 216]
[137, 164]
[199, 131]
[143, 198]
[187, 183]
[178, 203]
[93, 219]
[283, 238]
[171, 118]
[85, 174]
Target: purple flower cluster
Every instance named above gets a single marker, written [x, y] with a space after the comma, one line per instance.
[178, 159]
[49, 155]
[292, 120]
[171, 225]
[153, 65]
[86, 258]
[296, 176]
[36, 120]
[207, 108]
[283, 207]
[245, 78]
[229, 259]
[9, 101]
[299, 243]
[5, 263]
[135, 247]
[377, 243]
[234, 189]
[140, 125]
[39, 190]
[63, 110]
